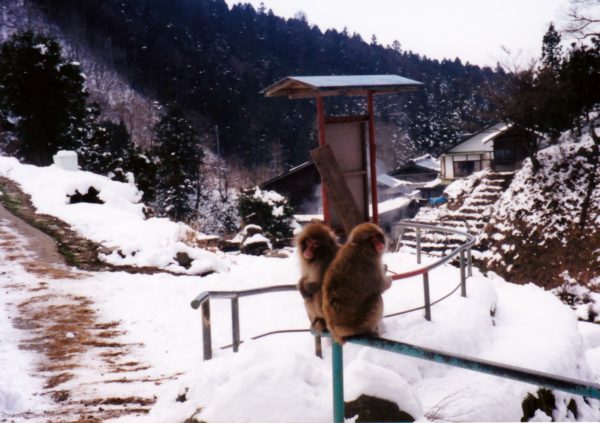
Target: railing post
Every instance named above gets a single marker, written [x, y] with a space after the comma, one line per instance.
[418, 245]
[463, 279]
[318, 346]
[399, 237]
[206, 335]
[337, 367]
[235, 323]
[426, 292]
[470, 261]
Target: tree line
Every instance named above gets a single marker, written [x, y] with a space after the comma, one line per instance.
[44, 109]
[558, 93]
[213, 61]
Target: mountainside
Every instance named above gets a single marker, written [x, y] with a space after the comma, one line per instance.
[214, 61]
[118, 101]
[541, 227]
[546, 227]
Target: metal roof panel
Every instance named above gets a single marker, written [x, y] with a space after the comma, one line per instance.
[310, 86]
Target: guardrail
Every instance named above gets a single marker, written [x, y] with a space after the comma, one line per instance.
[203, 300]
[583, 388]
[466, 263]
[572, 386]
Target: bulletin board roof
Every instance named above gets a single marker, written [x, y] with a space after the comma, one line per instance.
[314, 86]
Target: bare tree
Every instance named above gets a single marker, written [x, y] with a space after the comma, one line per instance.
[583, 19]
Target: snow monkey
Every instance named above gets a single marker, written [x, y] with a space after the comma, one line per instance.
[353, 285]
[317, 246]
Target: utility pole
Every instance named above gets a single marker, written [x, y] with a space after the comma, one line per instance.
[220, 170]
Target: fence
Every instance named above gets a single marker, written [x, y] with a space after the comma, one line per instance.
[463, 251]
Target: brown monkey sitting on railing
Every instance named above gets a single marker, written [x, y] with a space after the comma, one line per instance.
[353, 285]
[317, 247]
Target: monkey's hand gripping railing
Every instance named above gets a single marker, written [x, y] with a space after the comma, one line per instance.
[464, 251]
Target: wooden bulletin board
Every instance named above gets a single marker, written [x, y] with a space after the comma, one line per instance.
[347, 138]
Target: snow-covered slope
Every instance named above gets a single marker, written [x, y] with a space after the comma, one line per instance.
[118, 224]
[546, 227]
[279, 379]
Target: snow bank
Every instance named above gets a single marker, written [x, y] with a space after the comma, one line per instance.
[547, 215]
[278, 379]
[118, 224]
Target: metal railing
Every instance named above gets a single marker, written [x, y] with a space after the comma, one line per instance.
[572, 386]
[203, 300]
[463, 251]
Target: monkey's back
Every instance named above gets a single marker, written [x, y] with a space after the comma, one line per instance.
[352, 287]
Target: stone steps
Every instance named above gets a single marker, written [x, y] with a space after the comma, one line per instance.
[472, 215]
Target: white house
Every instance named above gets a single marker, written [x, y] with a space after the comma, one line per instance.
[500, 147]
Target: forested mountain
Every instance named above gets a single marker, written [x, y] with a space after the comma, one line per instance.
[213, 61]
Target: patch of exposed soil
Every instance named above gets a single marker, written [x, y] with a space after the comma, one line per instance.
[76, 250]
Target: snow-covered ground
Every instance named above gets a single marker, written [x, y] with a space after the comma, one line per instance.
[118, 224]
[278, 378]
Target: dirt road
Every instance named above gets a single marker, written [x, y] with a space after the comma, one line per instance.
[65, 333]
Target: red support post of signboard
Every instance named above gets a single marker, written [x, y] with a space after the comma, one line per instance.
[321, 129]
[372, 157]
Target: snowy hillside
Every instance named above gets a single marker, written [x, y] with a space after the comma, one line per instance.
[546, 226]
[118, 224]
[276, 378]
[118, 101]
[541, 227]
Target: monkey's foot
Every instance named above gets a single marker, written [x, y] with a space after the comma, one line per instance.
[318, 326]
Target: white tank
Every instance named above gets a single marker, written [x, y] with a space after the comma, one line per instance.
[66, 160]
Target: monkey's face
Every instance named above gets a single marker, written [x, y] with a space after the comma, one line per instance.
[316, 242]
[308, 246]
[378, 242]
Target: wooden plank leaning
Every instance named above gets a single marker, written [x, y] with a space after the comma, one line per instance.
[339, 193]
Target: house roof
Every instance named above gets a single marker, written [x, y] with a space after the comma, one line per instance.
[313, 86]
[295, 169]
[481, 141]
[382, 177]
[424, 164]
[427, 161]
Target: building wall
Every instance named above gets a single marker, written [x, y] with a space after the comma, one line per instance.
[460, 165]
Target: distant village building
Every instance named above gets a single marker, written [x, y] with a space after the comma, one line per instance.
[300, 185]
[421, 169]
[500, 147]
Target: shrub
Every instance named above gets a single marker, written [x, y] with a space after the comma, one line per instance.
[269, 210]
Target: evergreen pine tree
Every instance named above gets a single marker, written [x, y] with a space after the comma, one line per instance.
[107, 146]
[179, 157]
[551, 49]
[41, 96]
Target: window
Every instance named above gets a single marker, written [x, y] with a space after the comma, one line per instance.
[504, 155]
[465, 168]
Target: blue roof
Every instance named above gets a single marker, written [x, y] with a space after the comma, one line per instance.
[311, 86]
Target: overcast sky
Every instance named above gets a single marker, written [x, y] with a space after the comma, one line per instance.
[473, 30]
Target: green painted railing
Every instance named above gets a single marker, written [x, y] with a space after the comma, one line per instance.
[572, 386]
